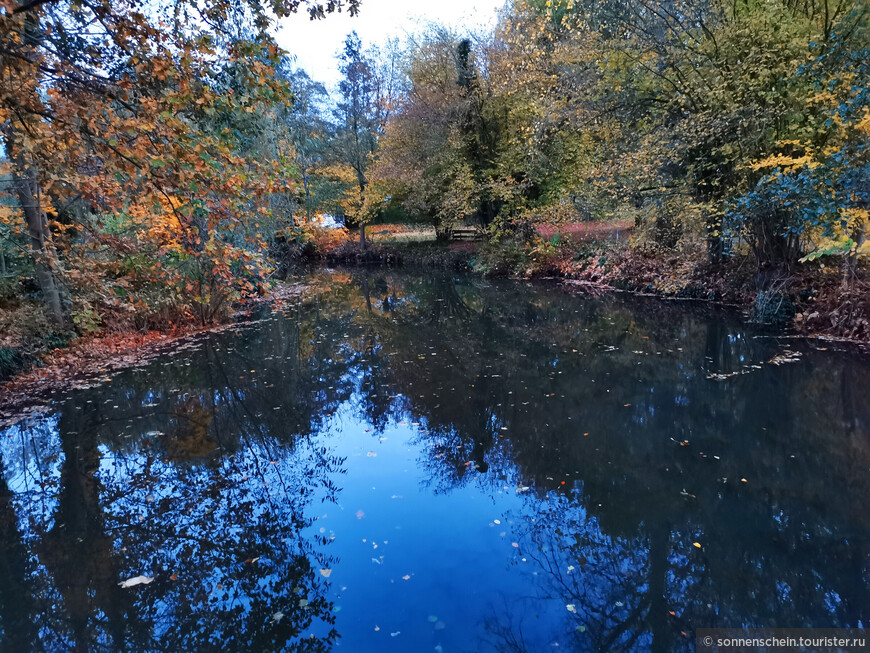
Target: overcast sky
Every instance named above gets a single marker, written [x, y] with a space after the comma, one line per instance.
[315, 43]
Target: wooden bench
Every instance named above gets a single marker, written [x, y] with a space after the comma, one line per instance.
[466, 233]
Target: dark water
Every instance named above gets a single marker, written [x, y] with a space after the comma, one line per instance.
[430, 464]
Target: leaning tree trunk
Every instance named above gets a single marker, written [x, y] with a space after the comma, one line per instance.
[25, 177]
[27, 189]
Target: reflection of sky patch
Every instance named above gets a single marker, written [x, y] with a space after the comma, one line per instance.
[32, 458]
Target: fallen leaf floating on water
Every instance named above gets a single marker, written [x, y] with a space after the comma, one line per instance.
[138, 580]
[406, 577]
[396, 634]
[371, 454]
[571, 608]
[278, 616]
[697, 545]
[326, 573]
[360, 514]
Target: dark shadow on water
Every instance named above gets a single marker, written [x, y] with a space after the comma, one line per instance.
[663, 466]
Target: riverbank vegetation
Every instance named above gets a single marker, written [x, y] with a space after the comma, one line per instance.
[161, 163]
[732, 136]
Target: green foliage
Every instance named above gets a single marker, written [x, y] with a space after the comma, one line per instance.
[706, 122]
[838, 249]
[718, 128]
[86, 319]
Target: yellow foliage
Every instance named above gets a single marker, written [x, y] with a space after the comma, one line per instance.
[784, 161]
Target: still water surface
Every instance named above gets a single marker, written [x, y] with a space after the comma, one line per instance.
[405, 463]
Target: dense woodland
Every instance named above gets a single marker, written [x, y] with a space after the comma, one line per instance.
[161, 159]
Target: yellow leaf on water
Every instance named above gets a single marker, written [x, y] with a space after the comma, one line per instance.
[696, 545]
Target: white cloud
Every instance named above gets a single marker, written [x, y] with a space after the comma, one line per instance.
[315, 43]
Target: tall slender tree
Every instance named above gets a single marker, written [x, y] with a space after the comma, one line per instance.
[357, 114]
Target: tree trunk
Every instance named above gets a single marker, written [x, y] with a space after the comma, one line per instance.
[362, 225]
[715, 242]
[307, 189]
[26, 183]
[850, 263]
[27, 189]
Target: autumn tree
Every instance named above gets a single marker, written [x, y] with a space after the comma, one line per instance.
[357, 117]
[689, 117]
[372, 82]
[674, 102]
[308, 132]
[438, 147]
[115, 107]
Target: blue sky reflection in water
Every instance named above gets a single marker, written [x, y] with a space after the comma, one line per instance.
[406, 463]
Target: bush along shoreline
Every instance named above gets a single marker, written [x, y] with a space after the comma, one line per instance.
[812, 299]
[36, 357]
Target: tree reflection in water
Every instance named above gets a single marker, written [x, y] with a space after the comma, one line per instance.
[595, 421]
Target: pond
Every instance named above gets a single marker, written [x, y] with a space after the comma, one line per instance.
[427, 463]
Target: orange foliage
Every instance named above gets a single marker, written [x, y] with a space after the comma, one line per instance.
[151, 149]
[327, 240]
